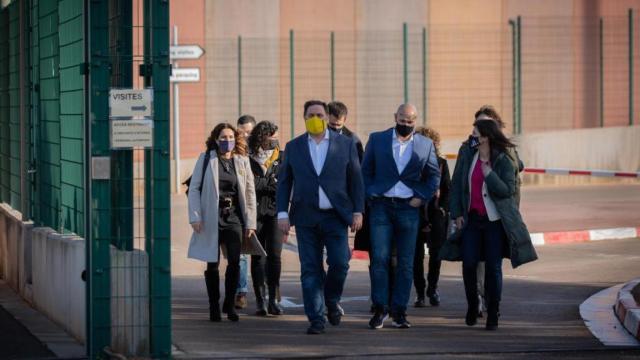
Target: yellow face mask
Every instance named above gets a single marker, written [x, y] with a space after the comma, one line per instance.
[315, 125]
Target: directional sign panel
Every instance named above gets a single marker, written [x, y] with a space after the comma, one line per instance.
[185, 75]
[130, 103]
[185, 52]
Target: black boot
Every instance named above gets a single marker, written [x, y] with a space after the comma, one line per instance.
[274, 305]
[433, 295]
[472, 305]
[212, 280]
[229, 308]
[471, 292]
[492, 316]
[261, 305]
[419, 298]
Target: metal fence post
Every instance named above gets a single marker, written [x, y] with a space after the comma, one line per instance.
[601, 34]
[519, 69]
[514, 89]
[98, 221]
[631, 82]
[291, 80]
[424, 76]
[405, 70]
[25, 209]
[239, 75]
[333, 67]
[176, 120]
[157, 179]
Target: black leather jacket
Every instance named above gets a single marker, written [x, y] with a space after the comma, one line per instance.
[266, 185]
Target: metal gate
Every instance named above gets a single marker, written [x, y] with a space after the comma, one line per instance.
[128, 225]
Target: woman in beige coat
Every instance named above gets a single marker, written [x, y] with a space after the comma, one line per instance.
[222, 211]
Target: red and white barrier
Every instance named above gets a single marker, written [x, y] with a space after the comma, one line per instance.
[561, 237]
[599, 173]
[561, 171]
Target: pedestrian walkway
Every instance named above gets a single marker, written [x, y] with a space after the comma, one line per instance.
[16, 342]
[26, 333]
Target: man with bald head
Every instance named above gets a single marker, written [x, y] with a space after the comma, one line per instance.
[401, 174]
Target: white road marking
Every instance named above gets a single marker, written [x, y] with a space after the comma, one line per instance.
[287, 301]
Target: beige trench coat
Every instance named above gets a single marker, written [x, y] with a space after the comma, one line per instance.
[203, 207]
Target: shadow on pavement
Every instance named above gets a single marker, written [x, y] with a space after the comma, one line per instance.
[537, 316]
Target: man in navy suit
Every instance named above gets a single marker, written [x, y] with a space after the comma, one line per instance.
[321, 193]
[401, 174]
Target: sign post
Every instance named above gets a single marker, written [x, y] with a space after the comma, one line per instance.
[178, 75]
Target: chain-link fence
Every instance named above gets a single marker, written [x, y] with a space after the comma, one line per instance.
[541, 73]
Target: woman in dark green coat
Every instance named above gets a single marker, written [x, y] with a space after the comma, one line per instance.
[490, 227]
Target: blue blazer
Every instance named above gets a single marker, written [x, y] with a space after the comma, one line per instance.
[340, 179]
[380, 173]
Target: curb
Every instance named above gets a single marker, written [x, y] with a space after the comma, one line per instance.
[560, 237]
[627, 310]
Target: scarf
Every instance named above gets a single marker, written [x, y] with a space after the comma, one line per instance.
[266, 158]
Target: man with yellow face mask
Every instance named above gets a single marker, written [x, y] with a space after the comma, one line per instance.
[321, 193]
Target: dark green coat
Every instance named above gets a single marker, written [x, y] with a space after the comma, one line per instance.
[501, 185]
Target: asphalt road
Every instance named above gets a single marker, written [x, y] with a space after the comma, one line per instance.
[540, 317]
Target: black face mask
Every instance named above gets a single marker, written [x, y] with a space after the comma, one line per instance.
[474, 141]
[404, 130]
[270, 144]
[330, 127]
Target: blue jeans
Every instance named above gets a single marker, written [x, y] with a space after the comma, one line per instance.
[482, 240]
[392, 224]
[242, 282]
[320, 287]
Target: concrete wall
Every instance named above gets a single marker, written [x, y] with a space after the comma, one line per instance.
[46, 267]
[614, 148]
[58, 289]
[129, 302]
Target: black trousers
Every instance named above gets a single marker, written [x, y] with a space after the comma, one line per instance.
[231, 237]
[418, 270]
[269, 266]
[434, 240]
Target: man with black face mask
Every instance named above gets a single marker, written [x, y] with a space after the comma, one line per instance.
[337, 118]
[401, 173]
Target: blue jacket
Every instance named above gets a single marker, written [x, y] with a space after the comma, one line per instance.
[380, 173]
[340, 179]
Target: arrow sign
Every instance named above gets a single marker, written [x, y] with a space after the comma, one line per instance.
[185, 52]
[185, 75]
[130, 102]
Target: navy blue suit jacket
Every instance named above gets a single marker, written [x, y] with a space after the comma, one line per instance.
[340, 179]
[380, 173]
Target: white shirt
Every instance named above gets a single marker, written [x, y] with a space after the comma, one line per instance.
[318, 152]
[402, 152]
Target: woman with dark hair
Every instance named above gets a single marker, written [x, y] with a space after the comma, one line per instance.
[432, 230]
[222, 212]
[264, 154]
[483, 205]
